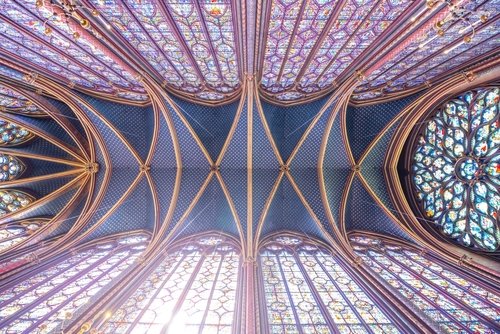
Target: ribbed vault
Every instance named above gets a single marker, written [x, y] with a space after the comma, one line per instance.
[173, 119]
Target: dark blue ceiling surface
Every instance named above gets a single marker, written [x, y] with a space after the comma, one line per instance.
[363, 213]
[211, 124]
[287, 212]
[43, 147]
[65, 111]
[263, 156]
[288, 124]
[365, 123]
[50, 209]
[47, 126]
[236, 153]
[38, 167]
[71, 219]
[191, 183]
[336, 168]
[126, 119]
[119, 154]
[214, 209]
[164, 154]
[372, 167]
[191, 152]
[211, 212]
[263, 181]
[133, 213]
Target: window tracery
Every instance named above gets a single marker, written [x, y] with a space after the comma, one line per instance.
[166, 34]
[307, 290]
[13, 200]
[12, 134]
[41, 39]
[451, 300]
[11, 101]
[434, 56]
[305, 52]
[49, 299]
[194, 289]
[11, 167]
[16, 232]
[456, 169]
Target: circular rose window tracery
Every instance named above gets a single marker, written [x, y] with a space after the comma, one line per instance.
[456, 168]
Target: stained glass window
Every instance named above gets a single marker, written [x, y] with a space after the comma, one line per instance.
[193, 290]
[38, 33]
[11, 101]
[13, 200]
[310, 43]
[14, 233]
[10, 167]
[456, 169]
[413, 61]
[190, 44]
[13, 263]
[452, 301]
[49, 299]
[10, 73]
[12, 134]
[307, 290]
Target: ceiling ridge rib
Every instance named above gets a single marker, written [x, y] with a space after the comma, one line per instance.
[234, 211]
[249, 208]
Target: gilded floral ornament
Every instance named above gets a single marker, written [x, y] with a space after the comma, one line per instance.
[456, 169]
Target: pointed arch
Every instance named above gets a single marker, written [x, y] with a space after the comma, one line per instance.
[12, 101]
[439, 292]
[306, 289]
[50, 295]
[12, 200]
[193, 285]
[13, 233]
[11, 167]
[12, 134]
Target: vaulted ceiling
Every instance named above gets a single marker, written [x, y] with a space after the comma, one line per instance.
[245, 117]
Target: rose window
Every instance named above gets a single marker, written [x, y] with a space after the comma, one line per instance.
[456, 169]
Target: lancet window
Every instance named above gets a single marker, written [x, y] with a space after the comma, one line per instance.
[11, 101]
[10, 167]
[307, 290]
[12, 134]
[16, 232]
[48, 299]
[13, 200]
[194, 289]
[452, 300]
